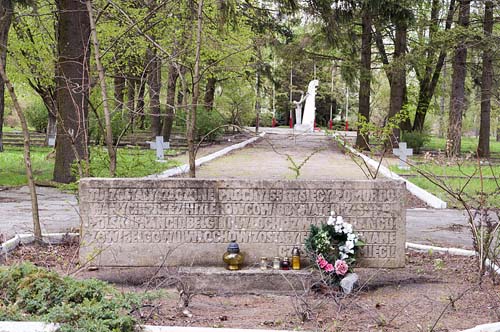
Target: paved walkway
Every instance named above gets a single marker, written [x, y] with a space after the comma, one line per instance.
[267, 159]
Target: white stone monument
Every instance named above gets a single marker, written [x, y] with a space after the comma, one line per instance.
[159, 146]
[403, 152]
[298, 109]
[309, 117]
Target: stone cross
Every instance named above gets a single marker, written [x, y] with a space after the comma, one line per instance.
[159, 145]
[402, 153]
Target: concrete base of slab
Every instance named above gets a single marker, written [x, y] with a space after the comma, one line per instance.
[27, 327]
[43, 327]
[210, 279]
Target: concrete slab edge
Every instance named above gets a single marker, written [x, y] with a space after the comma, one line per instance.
[50, 238]
[44, 327]
[424, 195]
[185, 168]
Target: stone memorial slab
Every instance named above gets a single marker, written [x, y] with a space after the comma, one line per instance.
[189, 222]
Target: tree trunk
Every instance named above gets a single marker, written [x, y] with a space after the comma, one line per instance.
[173, 75]
[257, 101]
[119, 91]
[104, 91]
[362, 140]
[141, 104]
[398, 77]
[191, 125]
[27, 156]
[72, 88]
[6, 12]
[442, 104]
[427, 84]
[457, 100]
[483, 148]
[498, 128]
[131, 86]
[154, 84]
[210, 93]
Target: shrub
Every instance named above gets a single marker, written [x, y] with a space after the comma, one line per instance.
[209, 122]
[265, 119]
[415, 139]
[37, 116]
[78, 305]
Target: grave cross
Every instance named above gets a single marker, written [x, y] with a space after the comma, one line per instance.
[159, 146]
[402, 153]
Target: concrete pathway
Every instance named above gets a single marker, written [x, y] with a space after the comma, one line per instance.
[273, 157]
[266, 159]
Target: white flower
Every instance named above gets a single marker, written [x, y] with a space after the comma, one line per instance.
[347, 228]
[340, 220]
[343, 256]
[332, 213]
[352, 237]
[331, 220]
[338, 228]
[349, 245]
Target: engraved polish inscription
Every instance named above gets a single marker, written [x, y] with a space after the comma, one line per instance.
[267, 218]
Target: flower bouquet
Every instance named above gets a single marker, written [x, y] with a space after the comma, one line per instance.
[333, 247]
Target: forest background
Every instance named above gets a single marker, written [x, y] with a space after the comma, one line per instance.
[94, 71]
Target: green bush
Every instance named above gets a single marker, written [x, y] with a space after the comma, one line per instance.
[415, 139]
[209, 123]
[31, 293]
[265, 119]
[119, 122]
[206, 122]
[37, 116]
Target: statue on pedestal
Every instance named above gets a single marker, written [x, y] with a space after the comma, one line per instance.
[298, 108]
[307, 123]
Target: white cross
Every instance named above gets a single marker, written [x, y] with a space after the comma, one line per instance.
[159, 146]
[402, 153]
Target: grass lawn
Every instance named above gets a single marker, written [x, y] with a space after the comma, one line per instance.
[7, 129]
[469, 144]
[13, 172]
[448, 174]
[131, 163]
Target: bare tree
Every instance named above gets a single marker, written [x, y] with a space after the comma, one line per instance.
[191, 123]
[6, 12]
[27, 156]
[365, 75]
[104, 91]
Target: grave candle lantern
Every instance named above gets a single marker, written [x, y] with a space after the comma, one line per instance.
[232, 257]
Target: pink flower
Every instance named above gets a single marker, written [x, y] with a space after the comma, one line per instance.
[341, 267]
[329, 268]
[321, 261]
